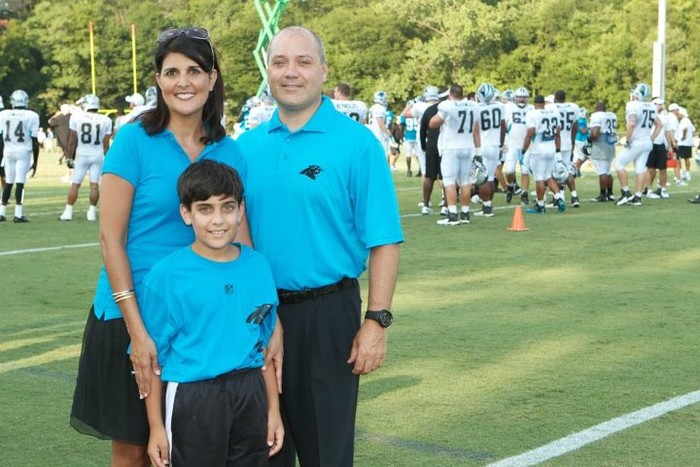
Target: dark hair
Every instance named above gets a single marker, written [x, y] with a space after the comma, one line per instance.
[344, 88]
[559, 96]
[456, 90]
[207, 178]
[156, 120]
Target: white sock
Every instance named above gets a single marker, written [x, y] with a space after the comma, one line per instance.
[18, 210]
[3, 210]
[68, 211]
[92, 209]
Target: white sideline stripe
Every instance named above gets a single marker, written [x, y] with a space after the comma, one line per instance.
[598, 432]
[51, 248]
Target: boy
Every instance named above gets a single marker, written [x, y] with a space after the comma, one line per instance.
[211, 309]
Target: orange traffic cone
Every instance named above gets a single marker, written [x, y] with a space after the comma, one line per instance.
[518, 224]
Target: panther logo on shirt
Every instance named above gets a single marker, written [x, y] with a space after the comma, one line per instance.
[312, 171]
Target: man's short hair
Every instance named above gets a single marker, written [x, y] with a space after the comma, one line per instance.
[207, 178]
[560, 96]
[344, 89]
[298, 29]
[456, 90]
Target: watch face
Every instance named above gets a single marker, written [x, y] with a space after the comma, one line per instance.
[386, 318]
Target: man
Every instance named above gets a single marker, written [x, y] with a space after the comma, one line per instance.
[685, 143]
[457, 119]
[415, 108]
[493, 132]
[19, 127]
[656, 160]
[377, 122]
[357, 110]
[429, 141]
[263, 111]
[135, 100]
[59, 124]
[409, 127]
[674, 117]
[542, 140]
[602, 138]
[87, 144]
[643, 126]
[332, 224]
[568, 113]
[515, 113]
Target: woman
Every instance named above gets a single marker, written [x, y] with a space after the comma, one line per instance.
[139, 224]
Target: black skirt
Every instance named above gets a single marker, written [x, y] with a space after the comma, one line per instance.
[106, 401]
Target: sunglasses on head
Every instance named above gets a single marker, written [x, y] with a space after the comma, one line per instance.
[192, 33]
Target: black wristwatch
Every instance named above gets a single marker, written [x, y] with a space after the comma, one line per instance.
[383, 317]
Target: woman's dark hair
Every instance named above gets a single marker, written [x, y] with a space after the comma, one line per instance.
[156, 120]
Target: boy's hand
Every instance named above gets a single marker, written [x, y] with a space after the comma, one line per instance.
[275, 353]
[275, 432]
[158, 448]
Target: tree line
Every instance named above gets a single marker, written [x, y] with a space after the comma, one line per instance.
[593, 49]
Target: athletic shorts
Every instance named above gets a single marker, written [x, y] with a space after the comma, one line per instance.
[684, 152]
[106, 401]
[432, 165]
[220, 421]
[657, 157]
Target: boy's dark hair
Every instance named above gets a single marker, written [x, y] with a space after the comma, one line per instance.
[207, 178]
[156, 120]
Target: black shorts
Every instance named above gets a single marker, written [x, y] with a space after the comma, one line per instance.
[657, 157]
[106, 401]
[220, 421]
[684, 152]
[432, 165]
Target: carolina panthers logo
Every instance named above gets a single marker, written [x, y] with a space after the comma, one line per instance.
[228, 288]
[312, 171]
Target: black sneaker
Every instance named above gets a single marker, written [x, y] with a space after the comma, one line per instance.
[625, 198]
[575, 202]
[509, 194]
[19, 220]
[486, 211]
[561, 204]
[3, 219]
[600, 199]
[695, 200]
[636, 201]
[418, 174]
[451, 219]
[524, 198]
[464, 218]
[517, 189]
[409, 173]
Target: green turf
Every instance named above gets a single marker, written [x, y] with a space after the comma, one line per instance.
[503, 341]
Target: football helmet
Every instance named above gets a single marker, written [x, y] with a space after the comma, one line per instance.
[431, 93]
[560, 173]
[508, 95]
[583, 112]
[151, 95]
[19, 98]
[485, 93]
[91, 102]
[640, 92]
[587, 149]
[478, 174]
[381, 98]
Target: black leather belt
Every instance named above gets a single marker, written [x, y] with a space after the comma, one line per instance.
[296, 296]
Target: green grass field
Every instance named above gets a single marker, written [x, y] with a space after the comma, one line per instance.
[503, 341]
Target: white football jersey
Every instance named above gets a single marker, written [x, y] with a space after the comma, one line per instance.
[417, 111]
[357, 110]
[515, 124]
[490, 117]
[607, 122]
[457, 129]
[661, 137]
[689, 128]
[259, 114]
[568, 115]
[673, 126]
[376, 112]
[644, 115]
[18, 127]
[91, 129]
[546, 124]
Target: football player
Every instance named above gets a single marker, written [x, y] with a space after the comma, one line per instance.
[568, 121]
[262, 112]
[357, 110]
[492, 129]
[19, 127]
[658, 156]
[516, 130]
[457, 119]
[377, 121]
[542, 140]
[600, 148]
[87, 144]
[643, 126]
[410, 126]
